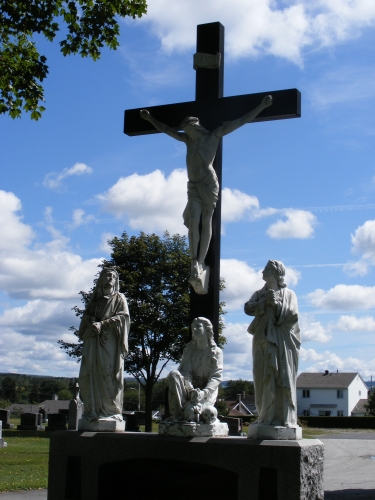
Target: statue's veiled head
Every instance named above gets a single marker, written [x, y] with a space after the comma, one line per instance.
[208, 329]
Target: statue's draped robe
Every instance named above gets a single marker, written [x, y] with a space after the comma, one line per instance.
[276, 344]
[102, 367]
[198, 370]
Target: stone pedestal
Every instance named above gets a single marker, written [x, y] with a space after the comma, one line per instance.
[259, 431]
[99, 466]
[102, 425]
[31, 422]
[193, 429]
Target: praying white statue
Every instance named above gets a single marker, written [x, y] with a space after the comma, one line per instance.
[276, 345]
[203, 185]
[104, 330]
[193, 388]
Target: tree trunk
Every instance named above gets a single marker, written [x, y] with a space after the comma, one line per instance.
[148, 409]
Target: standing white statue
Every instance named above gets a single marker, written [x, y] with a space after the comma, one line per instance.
[104, 330]
[193, 388]
[276, 344]
[203, 186]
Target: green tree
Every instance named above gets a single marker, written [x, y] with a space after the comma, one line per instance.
[154, 276]
[9, 389]
[88, 26]
[49, 387]
[34, 397]
[65, 395]
[234, 387]
[370, 406]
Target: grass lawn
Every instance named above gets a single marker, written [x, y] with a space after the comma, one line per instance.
[24, 463]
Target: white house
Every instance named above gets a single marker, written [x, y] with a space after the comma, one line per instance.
[329, 394]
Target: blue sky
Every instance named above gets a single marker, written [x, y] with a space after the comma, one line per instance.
[300, 191]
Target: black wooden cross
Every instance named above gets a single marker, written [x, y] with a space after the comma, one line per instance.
[213, 110]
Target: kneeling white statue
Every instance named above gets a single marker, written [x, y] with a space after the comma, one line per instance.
[104, 330]
[276, 345]
[193, 388]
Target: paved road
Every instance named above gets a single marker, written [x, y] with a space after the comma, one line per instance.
[349, 469]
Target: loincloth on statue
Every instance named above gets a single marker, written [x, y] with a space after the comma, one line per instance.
[205, 192]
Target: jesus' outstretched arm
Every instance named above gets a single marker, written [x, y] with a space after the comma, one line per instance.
[161, 126]
[246, 118]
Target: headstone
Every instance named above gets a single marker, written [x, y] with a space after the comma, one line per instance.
[56, 422]
[4, 418]
[234, 425]
[132, 424]
[276, 345]
[3, 444]
[31, 422]
[104, 330]
[75, 410]
[193, 388]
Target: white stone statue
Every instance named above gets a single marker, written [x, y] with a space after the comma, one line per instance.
[104, 330]
[276, 344]
[193, 388]
[203, 186]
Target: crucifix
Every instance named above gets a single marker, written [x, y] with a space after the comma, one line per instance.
[213, 111]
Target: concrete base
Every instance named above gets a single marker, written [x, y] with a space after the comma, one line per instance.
[259, 431]
[193, 429]
[101, 425]
[98, 466]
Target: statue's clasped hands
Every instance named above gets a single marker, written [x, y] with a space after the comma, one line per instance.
[271, 298]
[96, 327]
[196, 395]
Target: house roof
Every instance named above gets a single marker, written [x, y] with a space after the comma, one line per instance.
[325, 380]
[237, 409]
[360, 406]
[53, 406]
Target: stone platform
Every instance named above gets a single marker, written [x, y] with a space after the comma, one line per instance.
[99, 466]
[193, 429]
[102, 425]
[259, 431]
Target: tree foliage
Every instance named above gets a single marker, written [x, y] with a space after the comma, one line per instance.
[234, 387]
[370, 406]
[88, 26]
[154, 276]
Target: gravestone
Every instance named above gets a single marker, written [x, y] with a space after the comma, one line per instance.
[132, 423]
[56, 422]
[4, 418]
[3, 444]
[75, 410]
[234, 425]
[31, 422]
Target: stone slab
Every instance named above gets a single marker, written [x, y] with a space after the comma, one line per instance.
[102, 425]
[259, 431]
[193, 429]
[98, 466]
[30, 428]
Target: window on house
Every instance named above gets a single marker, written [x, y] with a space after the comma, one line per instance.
[340, 413]
[306, 413]
[324, 413]
[340, 393]
[306, 393]
[359, 393]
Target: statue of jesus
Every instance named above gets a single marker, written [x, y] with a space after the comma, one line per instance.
[203, 186]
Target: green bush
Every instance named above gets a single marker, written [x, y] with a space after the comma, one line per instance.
[340, 422]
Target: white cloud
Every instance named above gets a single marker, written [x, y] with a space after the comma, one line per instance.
[236, 204]
[150, 202]
[241, 281]
[352, 323]
[257, 27]
[312, 330]
[238, 362]
[298, 224]
[330, 361]
[48, 271]
[363, 242]
[54, 180]
[344, 297]
[13, 231]
[104, 247]
[80, 218]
